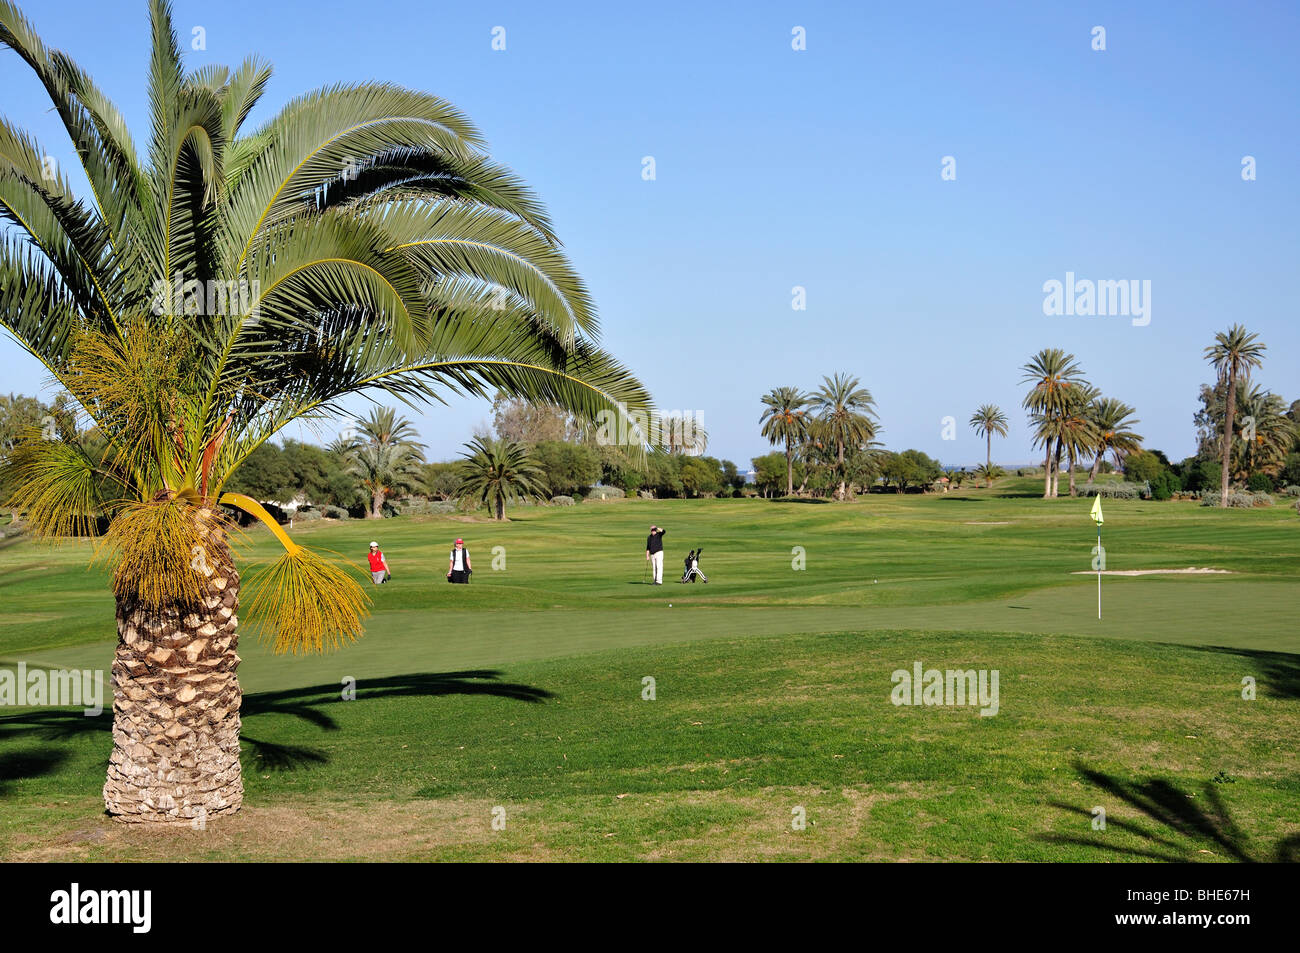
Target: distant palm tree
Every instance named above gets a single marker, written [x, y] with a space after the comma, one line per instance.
[1053, 373]
[1233, 354]
[1114, 422]
[1270, 435]
[497, 471]
[786, 419]
[987, 421]
[1078, 431]
[988, 472]
[385, 457]
[846, 412]
[815, 452]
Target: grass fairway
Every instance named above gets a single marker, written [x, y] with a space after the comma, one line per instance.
[524, 690]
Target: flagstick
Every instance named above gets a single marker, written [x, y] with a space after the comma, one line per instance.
[1099, 573]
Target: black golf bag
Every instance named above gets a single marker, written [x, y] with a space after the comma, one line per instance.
[692, 568]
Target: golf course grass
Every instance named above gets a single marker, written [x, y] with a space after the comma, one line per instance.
[520, 699]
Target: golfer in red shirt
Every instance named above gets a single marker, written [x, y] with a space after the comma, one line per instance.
[378, 565]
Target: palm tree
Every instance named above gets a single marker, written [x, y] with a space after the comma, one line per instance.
[1114, 421]
[219, 286]
[987, 421]
[1053, 373]
[846, 412]
[1272, 433]
[989, 473]
[1078, 431]
[385, 457]
[497, 471]
[785, 419]
[1234, 353]
[815, 452]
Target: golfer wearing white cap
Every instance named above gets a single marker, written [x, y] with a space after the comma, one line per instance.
[378, 565]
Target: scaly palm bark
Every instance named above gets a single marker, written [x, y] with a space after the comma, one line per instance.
[176, 701]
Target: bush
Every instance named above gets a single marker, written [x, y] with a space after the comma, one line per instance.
[1117, 491]
[1292, 491]
[1198, 474]
[1142, 466]
[1243, 499]
[334, 513]
[599, 493]
[1260, 482]
[428, 507]
[307, 515]
[1290, 469]
[562, 501]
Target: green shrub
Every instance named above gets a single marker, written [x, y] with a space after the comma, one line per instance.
[1292, 490]
[1117, 491]
[599, 493]
[562, 501]
[334, 513]
[1290, 474]
[428, 507]
[1260, 482]
[1244, 499]
[307, 515]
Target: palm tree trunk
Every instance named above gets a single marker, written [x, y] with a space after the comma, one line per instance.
[1230, 411]
[501, 508]
[840, 458]
[789, 469]
[1073, 491]
[1056, 468]
[1047, 470]
[376, 505]
[176, 706]
[1096, 465]
[988, 454]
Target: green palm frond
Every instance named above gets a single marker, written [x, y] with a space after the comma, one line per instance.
[55, 484]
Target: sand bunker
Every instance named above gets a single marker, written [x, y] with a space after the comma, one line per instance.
[1150, 572]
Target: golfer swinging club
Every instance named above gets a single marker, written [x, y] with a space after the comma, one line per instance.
[654, 551]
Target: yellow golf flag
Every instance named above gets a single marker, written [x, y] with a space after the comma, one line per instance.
[1096, 510]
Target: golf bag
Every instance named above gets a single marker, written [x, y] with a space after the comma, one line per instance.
[693, 567]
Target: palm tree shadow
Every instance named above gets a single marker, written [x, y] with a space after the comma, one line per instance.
[309, 704]
[306, 703]
[269, 756]
[29, 763]
[1277, 673]
[1188, 827]
[53, 724]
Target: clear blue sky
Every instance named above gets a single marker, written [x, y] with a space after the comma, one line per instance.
[821, 168]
